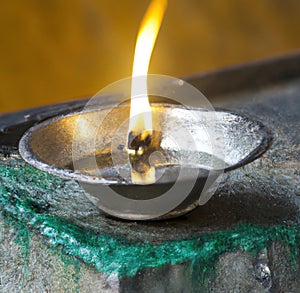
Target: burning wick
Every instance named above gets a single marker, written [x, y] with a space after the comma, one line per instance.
[142, 139]
[140, 148]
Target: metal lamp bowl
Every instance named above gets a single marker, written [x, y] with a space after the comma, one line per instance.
[49, 146]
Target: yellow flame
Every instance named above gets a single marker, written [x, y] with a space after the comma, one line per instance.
[140, 123]
[140, 110]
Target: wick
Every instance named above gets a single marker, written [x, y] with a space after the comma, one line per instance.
[140, 146]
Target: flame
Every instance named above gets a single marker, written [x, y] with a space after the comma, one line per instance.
[140, 110]
[140, 122]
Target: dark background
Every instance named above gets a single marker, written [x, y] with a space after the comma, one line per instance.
[55, 50]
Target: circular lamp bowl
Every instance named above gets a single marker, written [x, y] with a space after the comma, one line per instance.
[60, 144]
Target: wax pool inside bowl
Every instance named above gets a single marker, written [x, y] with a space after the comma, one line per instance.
[188, 140]
[167, 167]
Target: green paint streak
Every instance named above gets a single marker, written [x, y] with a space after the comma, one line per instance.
[107, 253]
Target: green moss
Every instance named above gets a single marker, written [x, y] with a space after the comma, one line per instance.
[108, 253]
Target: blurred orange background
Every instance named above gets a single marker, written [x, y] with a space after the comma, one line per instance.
[56, 50]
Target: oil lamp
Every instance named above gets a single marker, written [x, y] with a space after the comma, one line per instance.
[147, 147]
